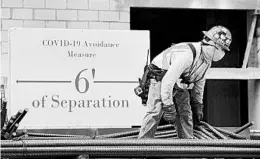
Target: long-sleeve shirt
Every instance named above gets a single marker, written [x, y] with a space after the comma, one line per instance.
[178, 61]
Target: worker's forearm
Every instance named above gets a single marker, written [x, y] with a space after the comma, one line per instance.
[179, 64]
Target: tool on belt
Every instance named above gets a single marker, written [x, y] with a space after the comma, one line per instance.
[151, 71]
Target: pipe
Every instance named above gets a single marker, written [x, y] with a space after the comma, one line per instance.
[56, 138]
[119, 135]
[17, 119]
[131, 142]
[144, 151]
[232, 135]
[14, 128]
[52, 135]
[3, 112]
[213, 130]
[247, 125]
[21, 132]
[204, 136]
[8, 134]
[19, 116]
[129, 137]
[135, 132]
[9, 124]
[167, 136]
[200, 128]
[3, 129]
[157, 134]
[255, 136]
[165, 132]
[14, 134]
[197, 136]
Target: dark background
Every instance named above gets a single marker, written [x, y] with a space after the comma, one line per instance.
[225, 101]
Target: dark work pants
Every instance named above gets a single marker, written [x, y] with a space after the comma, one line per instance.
[183, 120]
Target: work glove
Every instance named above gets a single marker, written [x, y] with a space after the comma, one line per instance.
[197, 112]
[180, 84]
[169, 112]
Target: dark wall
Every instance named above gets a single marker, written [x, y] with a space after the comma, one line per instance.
[225, 100]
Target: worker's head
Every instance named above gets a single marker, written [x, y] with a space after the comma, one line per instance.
[216, 41]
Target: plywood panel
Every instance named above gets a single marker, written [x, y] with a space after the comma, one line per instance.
[233, 73]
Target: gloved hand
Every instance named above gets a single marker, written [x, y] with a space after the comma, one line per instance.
[197, 112]
[180, 84]
[169, 112]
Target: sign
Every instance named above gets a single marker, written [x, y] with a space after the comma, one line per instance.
[72, 78]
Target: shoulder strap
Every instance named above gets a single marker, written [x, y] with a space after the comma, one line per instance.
[194, 56]
[193, 51]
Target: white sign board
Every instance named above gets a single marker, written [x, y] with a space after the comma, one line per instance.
[71, 78]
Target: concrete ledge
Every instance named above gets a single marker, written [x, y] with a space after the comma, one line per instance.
[233, 73]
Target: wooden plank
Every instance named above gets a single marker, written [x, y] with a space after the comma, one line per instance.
[250, 36]
[233, 73]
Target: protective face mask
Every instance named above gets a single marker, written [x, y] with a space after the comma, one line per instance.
[213, 53]
[218, 54]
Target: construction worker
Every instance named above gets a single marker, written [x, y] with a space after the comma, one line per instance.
[176, 82]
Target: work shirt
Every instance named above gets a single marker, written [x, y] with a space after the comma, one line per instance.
[178, 61]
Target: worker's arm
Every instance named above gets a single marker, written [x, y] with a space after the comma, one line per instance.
[180, 61]
[198, 91]
[197, 100]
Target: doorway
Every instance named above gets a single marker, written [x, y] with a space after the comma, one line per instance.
[225, 101]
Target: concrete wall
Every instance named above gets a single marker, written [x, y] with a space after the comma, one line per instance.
[80, 14]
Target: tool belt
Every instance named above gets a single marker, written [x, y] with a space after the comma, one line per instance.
[151, 71]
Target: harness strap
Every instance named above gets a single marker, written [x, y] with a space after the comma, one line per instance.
[194, 56]
[193, 51]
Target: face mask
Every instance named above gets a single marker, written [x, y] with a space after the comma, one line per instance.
[218, 54]
[213, 53]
